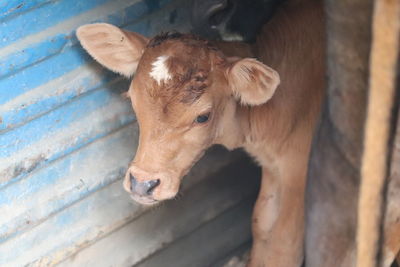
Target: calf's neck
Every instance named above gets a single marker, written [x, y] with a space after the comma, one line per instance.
[189, 93]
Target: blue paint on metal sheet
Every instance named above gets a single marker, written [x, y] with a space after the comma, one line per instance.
[27, 111]
[44, 17]
[30, 55]
[11, 8]
[66, 134]
[56, 123]
[61, 51]
[54, 44]
[41, 73]
[81, 186]
[13, 141]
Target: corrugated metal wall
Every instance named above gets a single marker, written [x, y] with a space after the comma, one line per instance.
[66, 137]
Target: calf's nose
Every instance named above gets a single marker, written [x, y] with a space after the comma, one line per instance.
[144, 188]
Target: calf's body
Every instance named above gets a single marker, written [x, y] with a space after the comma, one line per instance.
[278, 133]
[189, 94]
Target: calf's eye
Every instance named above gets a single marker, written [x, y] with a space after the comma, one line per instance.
[202, 118]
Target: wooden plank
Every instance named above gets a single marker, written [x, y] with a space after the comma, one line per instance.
[378, 132]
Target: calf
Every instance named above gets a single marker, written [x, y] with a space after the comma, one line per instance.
[189, 94]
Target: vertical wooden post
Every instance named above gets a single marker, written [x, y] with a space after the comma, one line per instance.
[376, 155]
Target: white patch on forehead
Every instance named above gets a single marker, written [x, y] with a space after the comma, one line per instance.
[160, 71]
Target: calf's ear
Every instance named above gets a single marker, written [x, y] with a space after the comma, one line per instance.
[252, 82]
[115, 49]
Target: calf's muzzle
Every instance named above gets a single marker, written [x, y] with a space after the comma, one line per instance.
[144, 188]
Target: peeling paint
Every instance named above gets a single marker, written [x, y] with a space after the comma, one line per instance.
[27, 165]
[62, 141]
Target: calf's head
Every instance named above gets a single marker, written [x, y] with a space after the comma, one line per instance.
[185, 94]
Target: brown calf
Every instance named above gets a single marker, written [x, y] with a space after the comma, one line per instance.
[189, 94]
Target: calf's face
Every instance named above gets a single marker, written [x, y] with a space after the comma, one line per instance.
[184, 93]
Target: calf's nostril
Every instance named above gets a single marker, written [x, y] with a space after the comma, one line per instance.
[133, 181]
[151, 185]
[144, 188]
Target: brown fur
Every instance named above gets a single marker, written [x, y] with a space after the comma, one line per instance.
[247, 109]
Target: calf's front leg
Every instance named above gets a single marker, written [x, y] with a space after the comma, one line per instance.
[278, 219]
